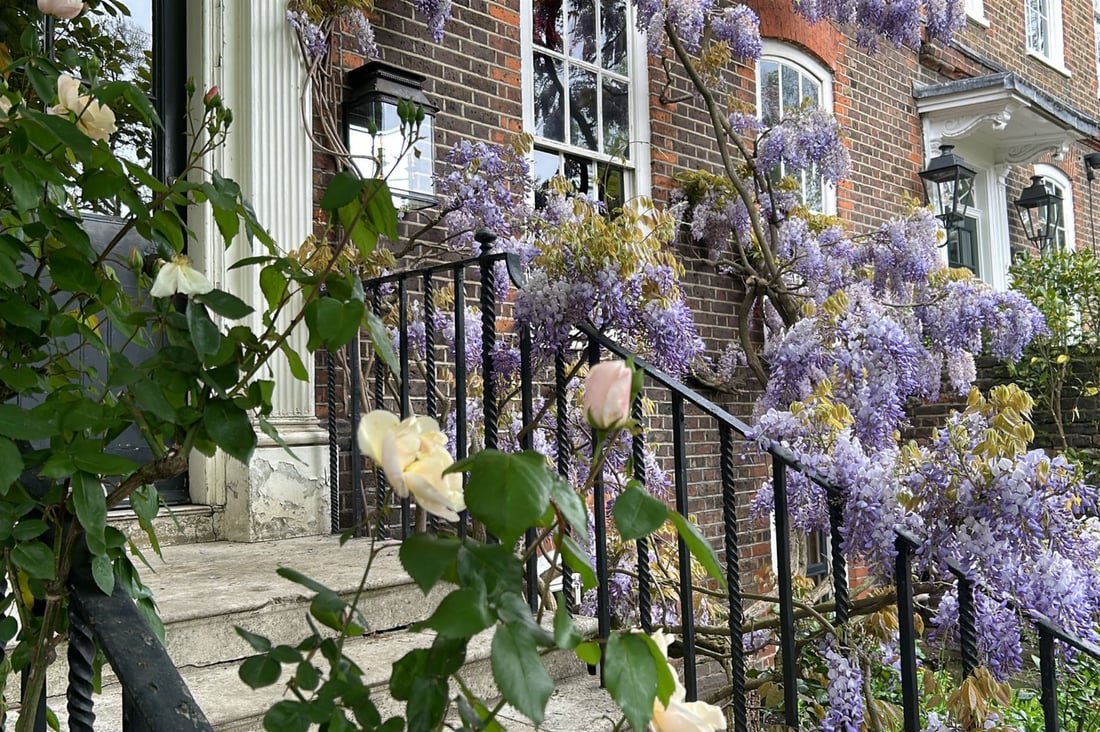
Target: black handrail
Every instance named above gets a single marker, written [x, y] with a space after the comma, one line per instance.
[154, 696]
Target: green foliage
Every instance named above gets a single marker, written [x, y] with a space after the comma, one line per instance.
[1060, 366]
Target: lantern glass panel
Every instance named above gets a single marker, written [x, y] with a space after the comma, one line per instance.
[379, 149]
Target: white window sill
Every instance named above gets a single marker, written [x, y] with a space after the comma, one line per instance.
[979, 20]
[1056, 65]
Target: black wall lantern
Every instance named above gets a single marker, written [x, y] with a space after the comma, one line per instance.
[1040, 213]
[382, 145]
[948, 182]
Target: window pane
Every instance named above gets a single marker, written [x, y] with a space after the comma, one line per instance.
[582, 30]
[549, 98]
[963, 250]
[583, 131]
[578, 171]
[770, 111]
[792, 90]
[612, 188]
[546, 166]
[613, 30]
[547, 24]
[616, 118]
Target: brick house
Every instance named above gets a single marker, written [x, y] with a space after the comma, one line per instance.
[1016, 94]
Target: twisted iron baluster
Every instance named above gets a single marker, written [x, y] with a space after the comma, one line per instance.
[840, 569]
[968, 634]
[406, 409]
[687, 607]
[645, 576]
[429, 363]
[733, 580]
[564, 449]
[907, 634]
[461, 439]
[786, 592]
[358, 513]
[333, 444]
[81, 658]
[488, 336]
[527, 442]
[381, 528]
[1048, 694]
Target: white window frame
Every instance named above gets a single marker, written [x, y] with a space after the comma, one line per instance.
[1051, 16]
[637, 177]
[789, 55]
[1054, 176]
[975, 12]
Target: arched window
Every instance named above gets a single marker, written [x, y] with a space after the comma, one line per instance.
[1058, 182]
[788, 79]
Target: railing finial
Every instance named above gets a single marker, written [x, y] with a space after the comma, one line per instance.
[485, 237]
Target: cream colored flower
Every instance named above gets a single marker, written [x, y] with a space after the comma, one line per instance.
[413, 455]
[64, 9]
[607, 394]
[680, 715]
[178, 276]
[5, 105]
[95, 120]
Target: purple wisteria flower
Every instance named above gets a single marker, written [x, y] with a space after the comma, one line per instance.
[740, 28]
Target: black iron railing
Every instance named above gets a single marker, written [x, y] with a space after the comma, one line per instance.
[154, 695]
[398, 291]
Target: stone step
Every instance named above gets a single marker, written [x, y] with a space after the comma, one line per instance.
[231, 706]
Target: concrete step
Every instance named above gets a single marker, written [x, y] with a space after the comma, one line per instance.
[205, 590]
[231, 706]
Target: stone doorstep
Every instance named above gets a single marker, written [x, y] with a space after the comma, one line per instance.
[233, 707]
[173, 524]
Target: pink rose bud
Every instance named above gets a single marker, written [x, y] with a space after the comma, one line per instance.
[607, 395]
[64, 9]
[212, 98]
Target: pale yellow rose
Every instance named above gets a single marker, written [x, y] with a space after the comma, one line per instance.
[680, 715]
[95, 120]
[178, 276]
[5, 105]
[413, 455]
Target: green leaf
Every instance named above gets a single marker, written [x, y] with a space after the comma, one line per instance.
[380, 210]
[228, 425]
[72, 272]
[427, 706]
[229, 224]
[699, 547]
[666, 677]
[519, 671]
[631, 676]
[103, 572]
[11, 464]
[297, 368]
[638, 514]
[273, 284]
[90, 504]
[406, 670]
[329, 608]
[578, 560]
[380, 339]
[427, 558]
[508, 492]
[286, 715]
[332, 323]
[258, 642]
[571, 506]
[260, 671]
[21, 424]
[204, 334]
[341, 190]
[225, 304]
[463, 613]
[565, 632]
[589, 652]
[307, 676]
[150, 397]
[35, 558]
[300, 579]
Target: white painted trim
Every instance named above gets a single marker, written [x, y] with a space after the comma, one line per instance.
[1056, 39]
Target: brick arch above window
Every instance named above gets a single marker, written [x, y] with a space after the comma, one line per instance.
[780, 22]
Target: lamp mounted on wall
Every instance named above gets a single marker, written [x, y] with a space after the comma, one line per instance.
[389, 127]
[948, 184]
[1040, 211]
[1092, 162]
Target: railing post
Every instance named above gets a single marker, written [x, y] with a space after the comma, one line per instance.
[381, 528]
[81, 658]
[403, 390]
[461, 437]
[599, 521]
[333, 443]
[733, 581]
[836, 555]
[564, 447]
[968, 635]
[786, 593]
[430, 406]
[527, 442]
[687, 608]
[1048, 688]
[645, 577]
[903, 575]
[488, 336]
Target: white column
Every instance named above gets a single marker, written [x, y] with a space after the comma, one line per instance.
[248, 51]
